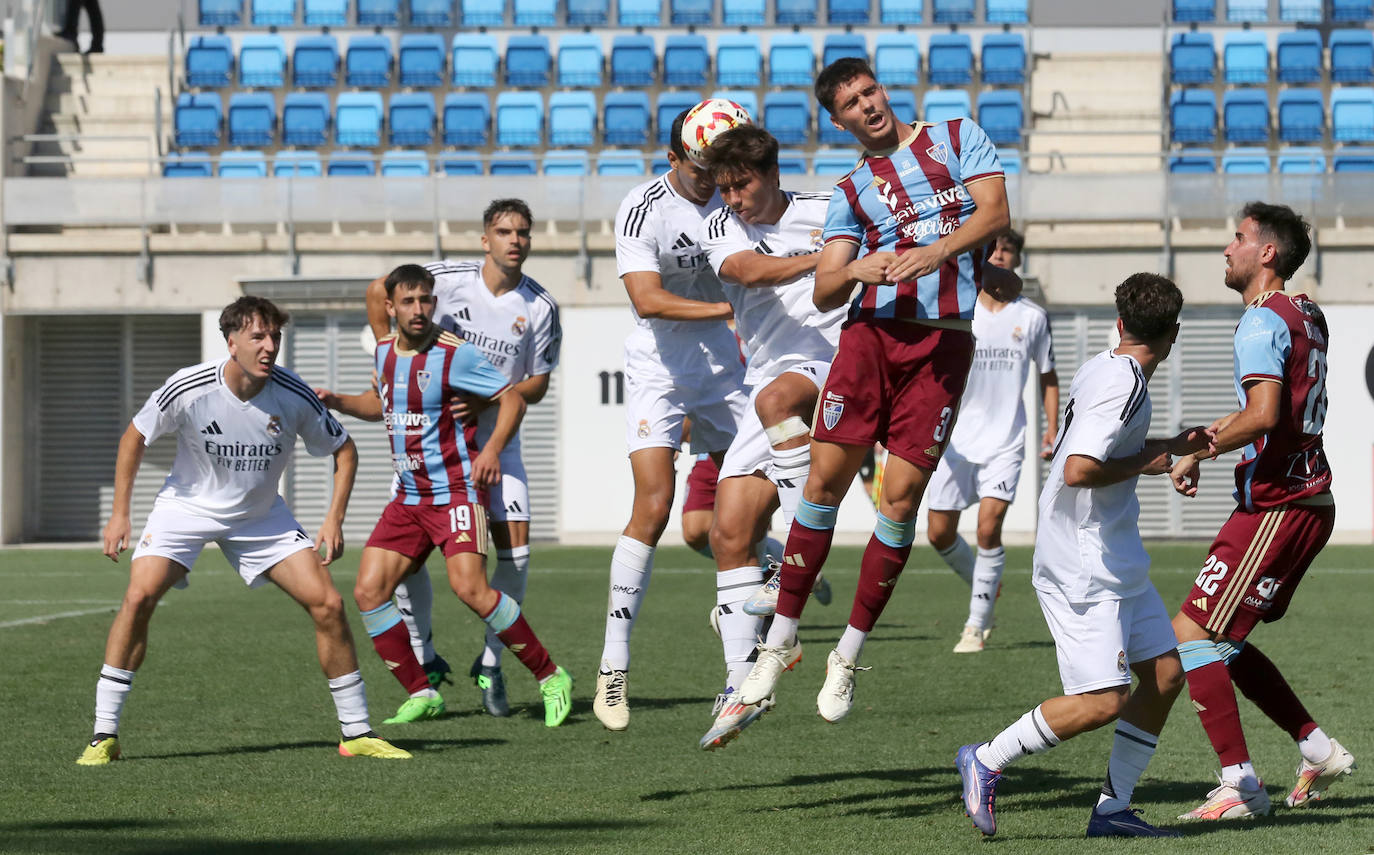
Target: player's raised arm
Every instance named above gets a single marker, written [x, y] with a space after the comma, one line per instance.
[366, 405]
[116, 535]
[377, 318]
[652, 300]
[839, 269]
[755, 270]
[990, 218]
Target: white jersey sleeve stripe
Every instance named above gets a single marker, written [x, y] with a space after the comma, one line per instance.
[635, 221]
[195, 381]
[296, 385]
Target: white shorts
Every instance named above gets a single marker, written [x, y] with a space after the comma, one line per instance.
[657, 401]
[253, 546]
[508, 500]
[959, 483]
[1096, 643]
[750, 451]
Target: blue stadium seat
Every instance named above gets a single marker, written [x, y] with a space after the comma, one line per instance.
[840, 12]
[743, 13]
[1255, 11]
[1010, 159]
[305, 119]
[1186, 11]
[834, 161]
[580, 61]
[939, 105]
[191, 164]
[1301, 11]
[326, 13]
[405, 164]
[639, 13]
[897, 59]
[528, 60]
[1353, 160]
[1352, 114]
[658, 164]
[840, 45]
[572, 118]
[1301, 160]
[358, 119]
[1245, 55]
[670, 106]
[1193, 116]
[297, 164]
[949, 59]
[566, 163]
[746, 98]
[739, 59]
[1192, 58]
[613, 162]
[431, 13]
[274, 13]
[634, 61]
[473, 60]
[828, 134]
[221, 13]
[1003, 58]
[252, 119]
[952, 11]
[209, 62]
[367, 64]
[794, 12]
[421, 60]
[379, 13]
[684, 13]
[1352, 10]
[483, 13]
[1002, 113]
[315, 62]
[625, 118]
[1006, 12]
[899, 12]
[1298, 56]
[351, 164]
[686, 60]
[791, 60]
[1188, 162]
[461, 165]
[198, 119]
[514, 163]
[1245, 115]
[467, 119]
[1352, 56]
[1302, 117]
[411, 118]
[903, 103]
[787, 115]
[519, 118]
[588, 13]
[262, 60]
[791, 161]
[242, 164]
[1245, 161]
[536, 13]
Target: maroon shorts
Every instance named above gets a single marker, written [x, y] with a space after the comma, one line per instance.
[898, 383]
[414, 530]
[1255, 565]
[701, 486]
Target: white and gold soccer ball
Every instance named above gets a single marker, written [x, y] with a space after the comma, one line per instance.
[708, 120]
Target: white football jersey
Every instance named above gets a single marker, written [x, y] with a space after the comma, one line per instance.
[231, 453]
[1087, 542]
[992, 413]
[779, 326]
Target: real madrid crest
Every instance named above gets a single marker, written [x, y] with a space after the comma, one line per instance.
[274, 426]
[518, 327]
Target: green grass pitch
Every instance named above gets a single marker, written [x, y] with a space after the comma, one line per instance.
[229, 734]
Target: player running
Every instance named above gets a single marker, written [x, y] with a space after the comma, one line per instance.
[236, 423]
[439, 498]
[1091, 573]
[909, 225]
[514, 322]
[1283, 518]
[983, 461]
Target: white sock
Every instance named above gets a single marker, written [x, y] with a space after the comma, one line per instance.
[1315, 746]
[739, 632]
[769, 547]
[1241, 775]
[959, 557]
[1132, 749]
[1028, 735]
[415, 601]
[790, 468]
[851, 644]
[631, 565]
[510, 578]
[350, 703]
[782, 631]
[426, 692]
[111, 691]
[987, 578]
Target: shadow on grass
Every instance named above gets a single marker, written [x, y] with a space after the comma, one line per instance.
[415, 742]
[91, 825]
[887, 777]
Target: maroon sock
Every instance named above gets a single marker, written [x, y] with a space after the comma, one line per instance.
[521, 640]
[1215, 702]
[806, 551]
[1260, 681]
[878, 573]
[394, 648]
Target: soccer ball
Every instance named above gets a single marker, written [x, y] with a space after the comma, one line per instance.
[708, 120]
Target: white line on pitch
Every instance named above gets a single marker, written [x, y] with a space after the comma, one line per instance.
[45, 618]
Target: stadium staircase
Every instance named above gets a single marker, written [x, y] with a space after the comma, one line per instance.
[1096, 112]
[106, 107]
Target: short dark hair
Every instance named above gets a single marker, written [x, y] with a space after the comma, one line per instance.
[1287, 229]
[838, 73]
[1014, 239]
[675, 136]
[242, 312]
[408, 274]
[506, 206]
[741, 149]
[1148, 305]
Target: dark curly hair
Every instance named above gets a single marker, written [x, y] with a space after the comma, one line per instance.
[1288, 231]
[1148, 305]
